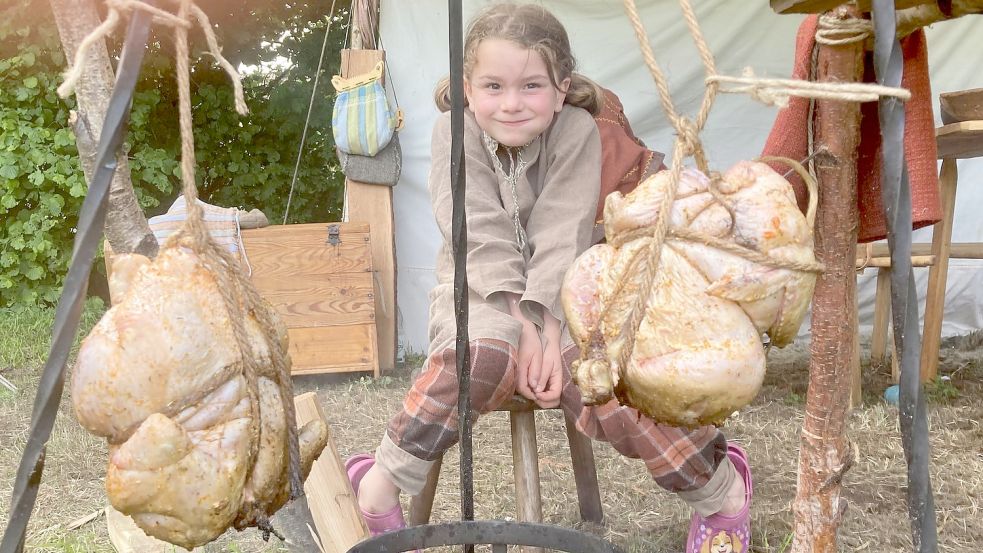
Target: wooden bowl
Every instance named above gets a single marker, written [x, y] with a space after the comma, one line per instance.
[963, 105]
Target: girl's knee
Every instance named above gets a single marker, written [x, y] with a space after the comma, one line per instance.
[492, 374]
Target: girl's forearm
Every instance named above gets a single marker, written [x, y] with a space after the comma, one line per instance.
[551, 326]
[513, 300]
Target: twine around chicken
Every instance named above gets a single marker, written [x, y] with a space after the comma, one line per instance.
[238, 294]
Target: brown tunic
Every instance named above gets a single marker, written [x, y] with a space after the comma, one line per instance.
[556, 190]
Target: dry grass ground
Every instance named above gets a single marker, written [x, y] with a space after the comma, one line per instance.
[639, 516]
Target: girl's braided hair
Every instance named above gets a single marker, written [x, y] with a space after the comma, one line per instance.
[535, 28]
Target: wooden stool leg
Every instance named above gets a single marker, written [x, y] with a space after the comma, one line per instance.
[935, 296]
[856, 376]
[525, 463]
[422, 505]
[882, 312]
[584, 473]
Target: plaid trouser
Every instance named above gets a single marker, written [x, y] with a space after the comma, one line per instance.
[679, 460]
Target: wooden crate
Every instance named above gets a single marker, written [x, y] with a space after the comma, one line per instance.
[319, 278]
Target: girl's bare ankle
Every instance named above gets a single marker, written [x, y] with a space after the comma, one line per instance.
[735, 500]
[377, 494]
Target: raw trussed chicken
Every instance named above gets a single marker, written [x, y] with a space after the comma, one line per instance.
[166, 342]
[697, 355]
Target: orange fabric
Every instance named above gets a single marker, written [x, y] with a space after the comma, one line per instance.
[625, 161]
[788, 137]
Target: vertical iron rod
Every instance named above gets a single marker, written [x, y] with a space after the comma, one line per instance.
[896, 193]
[459, 232]
[92, 218]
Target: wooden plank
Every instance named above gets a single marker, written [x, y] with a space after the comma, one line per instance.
[333, 349]
[935, 293]
[340, 300]
[882, 262]
[127, 537]
[803, 6]
[962, 250]
[298, 252]
[960, 140]
[329, 493]
[373, 204]
[819, 6]
[961, 105]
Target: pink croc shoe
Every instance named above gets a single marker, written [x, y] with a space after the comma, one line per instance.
[356, 467]
[724, 533]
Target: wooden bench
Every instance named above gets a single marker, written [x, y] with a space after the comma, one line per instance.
[525, 459]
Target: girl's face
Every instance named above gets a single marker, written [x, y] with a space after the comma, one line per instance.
[510, 92]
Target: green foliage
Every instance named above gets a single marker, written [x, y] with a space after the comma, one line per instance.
[25, 332]
[241, 161]
[941, 390]
[41, 184]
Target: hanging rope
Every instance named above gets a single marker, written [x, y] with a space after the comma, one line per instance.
[596, 354]
[238, 293]
[831, 31]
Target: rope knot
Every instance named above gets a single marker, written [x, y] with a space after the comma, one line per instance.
[688, 136]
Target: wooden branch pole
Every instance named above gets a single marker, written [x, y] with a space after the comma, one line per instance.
[373, 204]
[825, 454]
[126, 225]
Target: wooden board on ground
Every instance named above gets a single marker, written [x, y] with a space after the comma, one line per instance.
[319, 278]
[329, 493]
[127, 537]
[373, 204]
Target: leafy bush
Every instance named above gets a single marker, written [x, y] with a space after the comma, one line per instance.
[241, 161]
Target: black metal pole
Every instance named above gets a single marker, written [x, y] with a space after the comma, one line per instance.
[459, 232]
[90, 226]
[896, 193]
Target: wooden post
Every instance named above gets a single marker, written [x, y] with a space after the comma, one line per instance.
[882, 312]
[584, 472]
[329, 493]
[373, 204]
[937, 275]
[825, 455]
[421, 506]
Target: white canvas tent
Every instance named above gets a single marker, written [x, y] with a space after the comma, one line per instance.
[740, 34]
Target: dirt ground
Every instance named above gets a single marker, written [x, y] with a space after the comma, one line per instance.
[639, 516]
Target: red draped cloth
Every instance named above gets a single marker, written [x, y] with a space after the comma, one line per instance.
[788, 137]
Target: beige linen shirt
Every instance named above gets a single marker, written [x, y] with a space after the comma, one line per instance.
[556, 191]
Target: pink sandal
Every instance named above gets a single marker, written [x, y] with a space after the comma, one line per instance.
[357, 466]
[724, 533]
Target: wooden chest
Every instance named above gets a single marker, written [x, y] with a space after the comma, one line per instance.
[319, 277]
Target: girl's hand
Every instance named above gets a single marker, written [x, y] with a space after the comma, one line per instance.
[530, 351]
[530, 360]
[550, 381]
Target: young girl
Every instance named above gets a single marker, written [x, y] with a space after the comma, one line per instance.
[534, 161]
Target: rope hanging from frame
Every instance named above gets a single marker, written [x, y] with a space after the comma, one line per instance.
[238, 293]
[688, 144]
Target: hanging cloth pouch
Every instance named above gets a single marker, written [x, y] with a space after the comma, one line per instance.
[383, 168]
[362, 122]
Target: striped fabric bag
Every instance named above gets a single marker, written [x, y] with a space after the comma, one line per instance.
[361, 121]
[222, 223]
